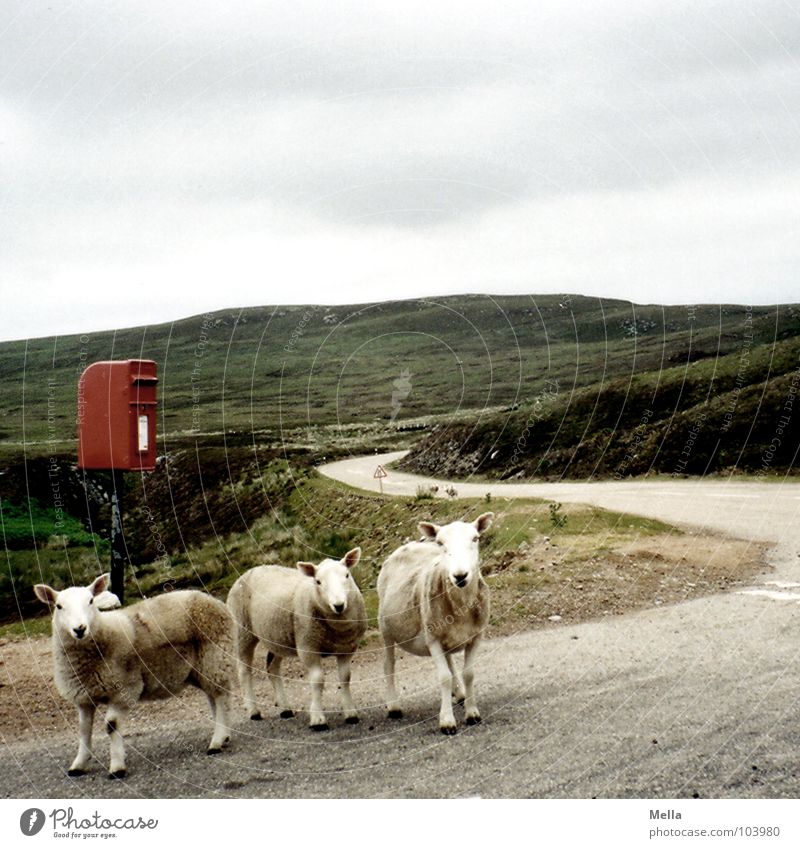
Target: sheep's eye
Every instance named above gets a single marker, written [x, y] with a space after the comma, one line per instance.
[475, 539]
[91, 601]
[440, 543]
[319, 583]
[58, 606]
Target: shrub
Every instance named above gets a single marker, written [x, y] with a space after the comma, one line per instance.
[556, 518]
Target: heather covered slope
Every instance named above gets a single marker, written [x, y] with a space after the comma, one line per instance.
[735, 409]
[270, 368]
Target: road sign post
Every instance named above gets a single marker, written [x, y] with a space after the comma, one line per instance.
[380, 473]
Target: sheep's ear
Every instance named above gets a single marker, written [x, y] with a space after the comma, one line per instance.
[483, 522]
[308, 568]
[45, 594]
[351, 558]
[100, 585]
[428, 529]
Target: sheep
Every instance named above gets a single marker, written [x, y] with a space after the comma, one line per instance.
[312, 612]
[434, 602]
[107, 601]
[147, 651]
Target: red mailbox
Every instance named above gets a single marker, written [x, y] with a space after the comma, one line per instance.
[117, 415]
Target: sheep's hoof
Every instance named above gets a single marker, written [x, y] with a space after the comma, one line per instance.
[212, 751]
[474, 719]
[287, 713]
[319, 727]
[119, 774]
[255, 717]
[449, 730]
[76, 772]
[395, 713]
[352, 720]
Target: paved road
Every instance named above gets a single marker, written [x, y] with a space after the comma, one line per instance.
[752, 510]
[700, 698]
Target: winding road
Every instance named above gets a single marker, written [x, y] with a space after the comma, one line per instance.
[696, 699]
[768, 511]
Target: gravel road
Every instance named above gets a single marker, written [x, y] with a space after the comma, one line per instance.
[697, 699]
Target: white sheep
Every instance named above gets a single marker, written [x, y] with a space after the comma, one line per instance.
[311, 612]
[147, 651]
[434, 602]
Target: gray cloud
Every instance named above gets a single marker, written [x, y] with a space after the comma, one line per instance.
[137, 135]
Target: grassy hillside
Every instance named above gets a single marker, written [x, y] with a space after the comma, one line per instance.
[733, 411]
[585, 563]
[272, 369]
[251, 401]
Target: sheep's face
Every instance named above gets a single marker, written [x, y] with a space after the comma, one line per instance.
[333, 581]
[459, 547]
[74, 609]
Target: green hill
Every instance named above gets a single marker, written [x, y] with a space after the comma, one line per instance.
[251, 400]
[269, 369]
[736, 409]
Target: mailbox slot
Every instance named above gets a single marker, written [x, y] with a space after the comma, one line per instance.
[144, 434]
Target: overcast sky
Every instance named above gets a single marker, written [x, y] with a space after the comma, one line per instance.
[158, 159]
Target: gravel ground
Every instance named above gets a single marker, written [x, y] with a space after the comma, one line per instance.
[693, 699]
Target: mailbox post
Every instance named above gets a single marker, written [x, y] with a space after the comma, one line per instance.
[117, 433]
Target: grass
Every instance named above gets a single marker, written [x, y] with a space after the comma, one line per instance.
[43, 544]
[35, 525]
[29, 628]
[58, 566]
[321, 518]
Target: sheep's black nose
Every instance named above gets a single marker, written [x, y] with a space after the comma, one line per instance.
[79, 631]
[339, 608]
[461, 580]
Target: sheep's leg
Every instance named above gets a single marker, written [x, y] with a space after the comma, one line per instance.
[392, 701]
[316, 679]
[220, 708]
[458, 683]
[343, 666]
[85, 723]
[115, 716]
[276, 679]
[447, 721]
[245, 648]
[473, 714]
